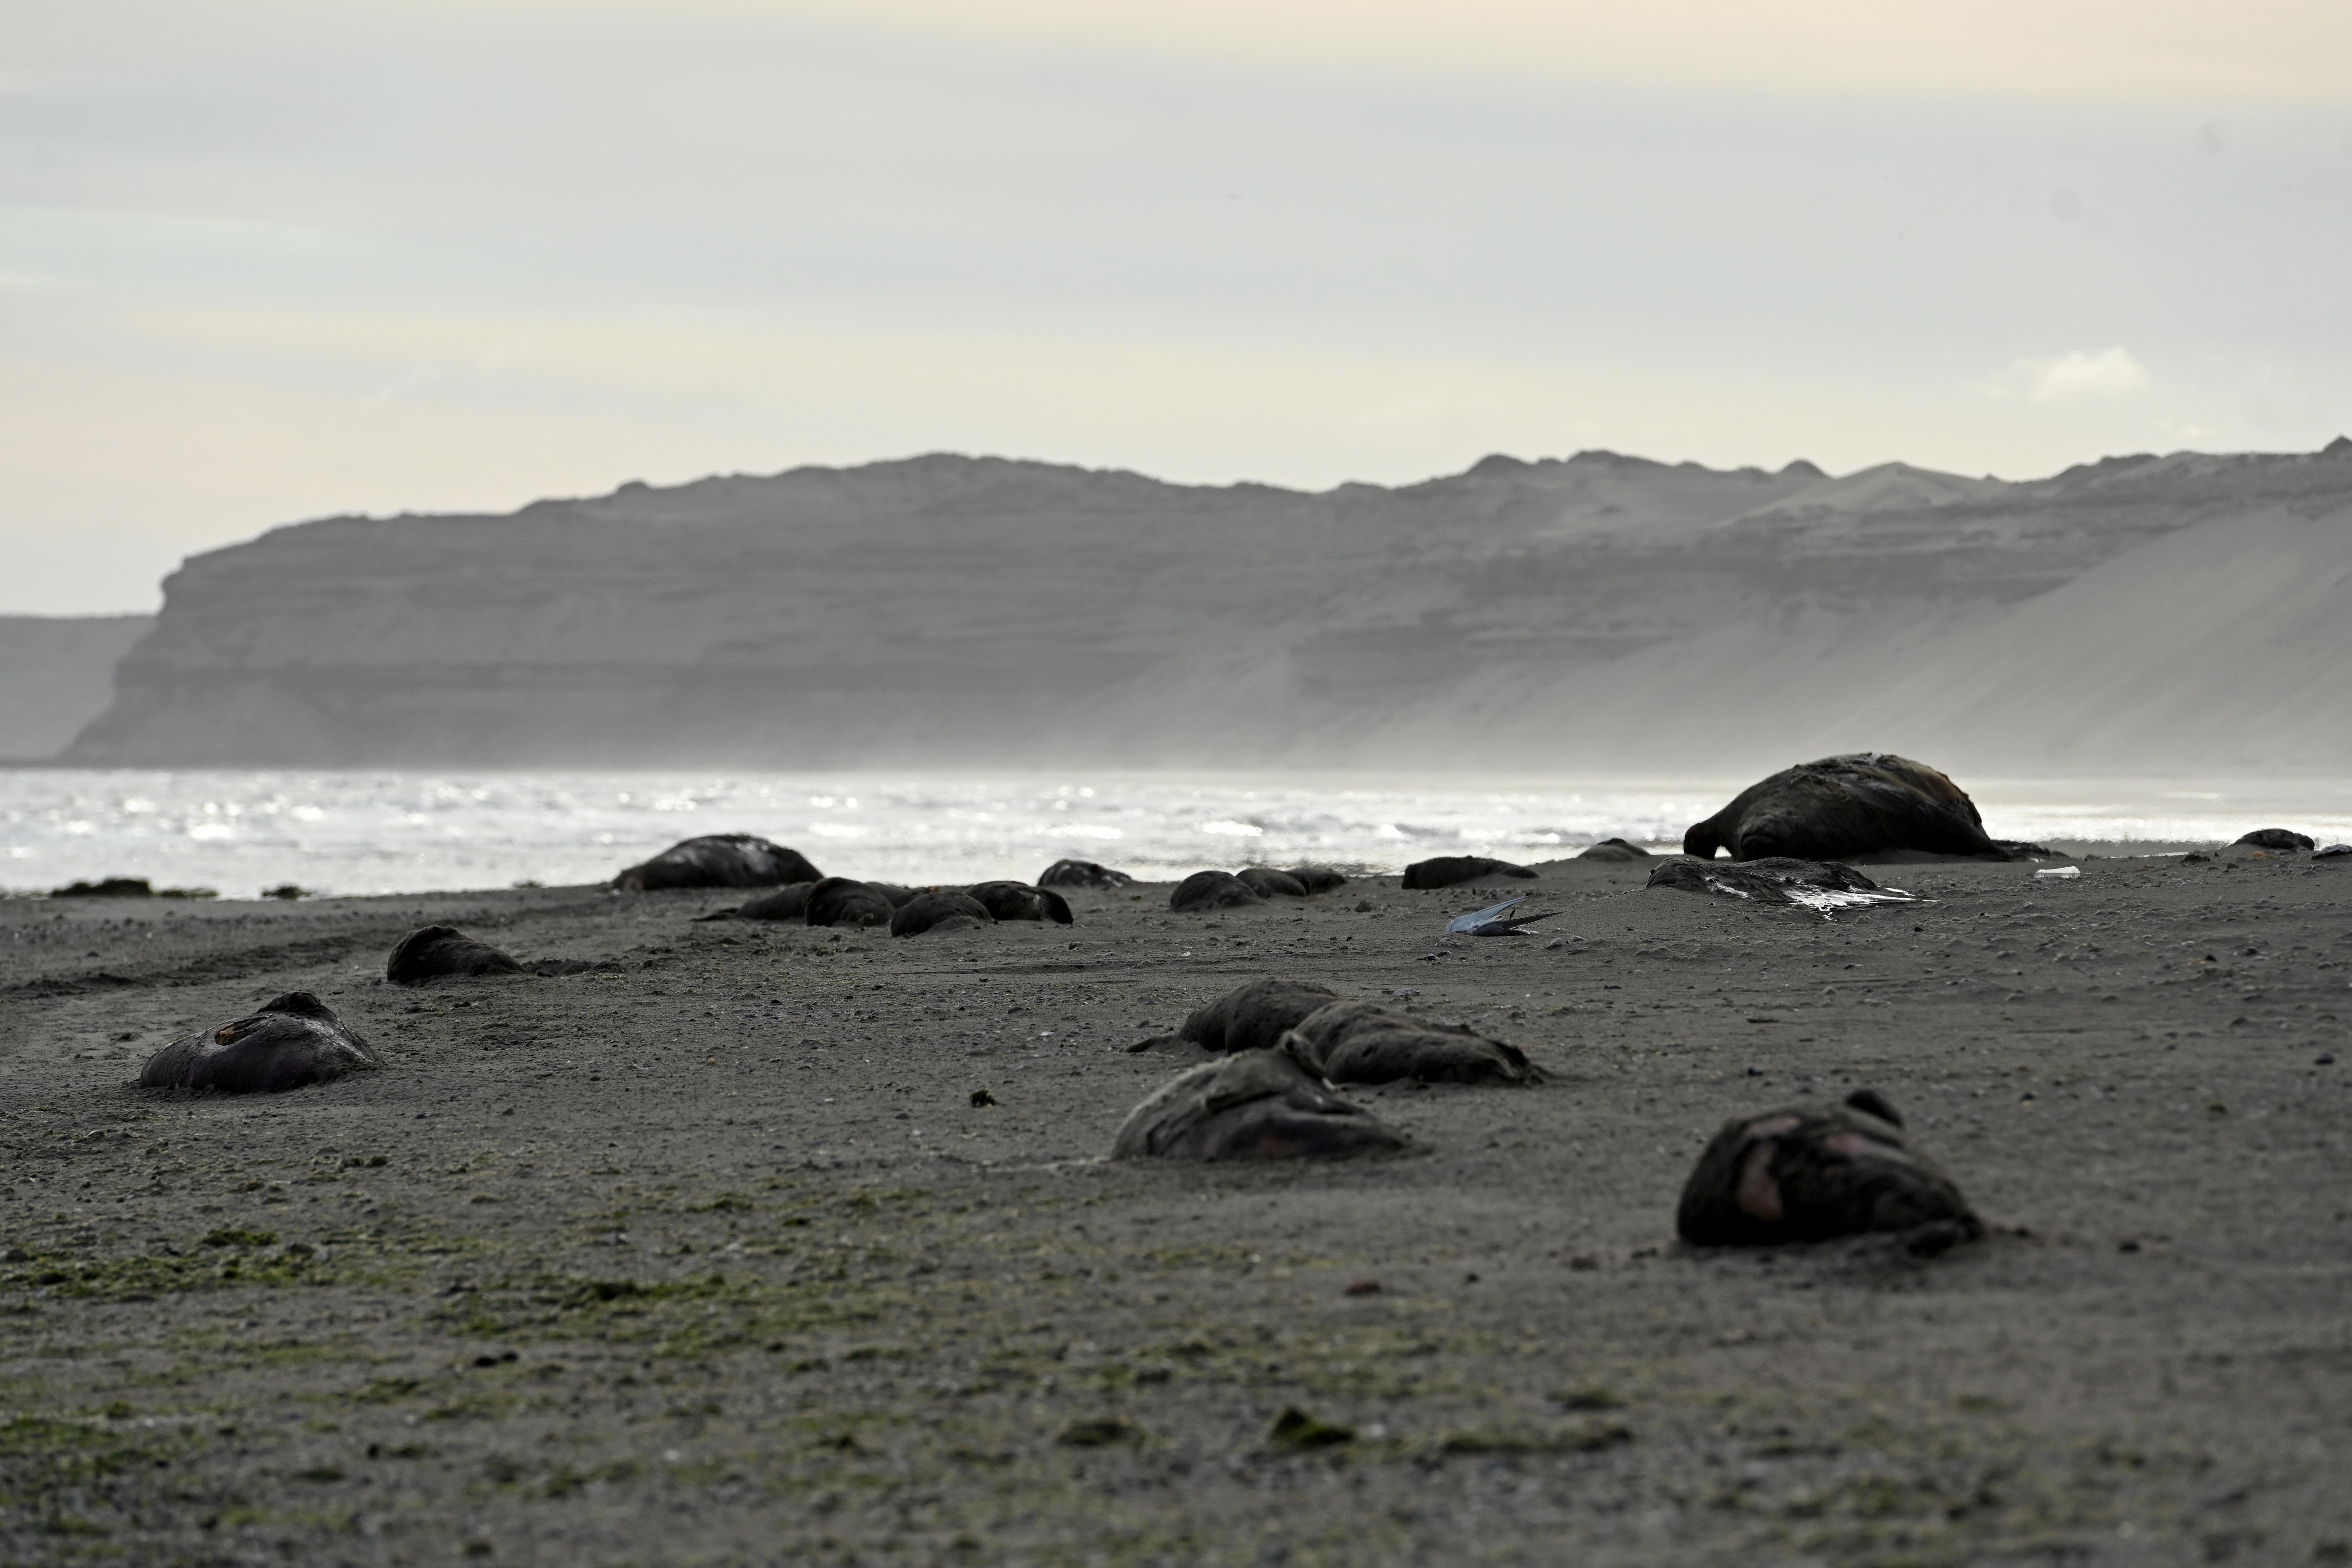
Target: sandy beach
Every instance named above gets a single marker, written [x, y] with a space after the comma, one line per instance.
[708, 1255]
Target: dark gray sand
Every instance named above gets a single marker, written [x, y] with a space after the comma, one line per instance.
[710, 1258]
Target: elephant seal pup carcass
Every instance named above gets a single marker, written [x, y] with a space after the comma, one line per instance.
[718, 860]
[293, 1040]
[1453, 870]
[432, 953]
[1765, 880]
[1866, 802]
[1256, 1105]
[1361, 1041]
[1269, 883]
[789, 902]
[1615, 849]
[1083, 874]
[1249, 1017]
[1020, 902]
[844, 901]
[1820, 886]
[939, 909]
[1809, 1173]
[1212, 890]
[2276, 838]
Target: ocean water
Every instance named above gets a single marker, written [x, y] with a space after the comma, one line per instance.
[383, 832]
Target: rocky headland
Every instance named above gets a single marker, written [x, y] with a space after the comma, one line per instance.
[2177, 612]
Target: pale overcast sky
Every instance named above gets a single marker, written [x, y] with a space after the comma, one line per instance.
[260, 262]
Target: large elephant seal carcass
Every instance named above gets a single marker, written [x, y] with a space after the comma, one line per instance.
[1453, 870]
[941, 909]
[1083, 874]
[1212, 890]
[718, 860]
[291, 1041]
[1810, 1173]
[844, 901]
[1867, 803]
[1256, 1105]
[1020, 902]
[1359, 1042]
[435, 953]
[1249, 1017]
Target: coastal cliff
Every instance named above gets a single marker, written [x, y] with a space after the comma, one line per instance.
[56, 674]
[2176, 613]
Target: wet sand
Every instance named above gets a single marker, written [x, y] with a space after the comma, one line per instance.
[708, 1257]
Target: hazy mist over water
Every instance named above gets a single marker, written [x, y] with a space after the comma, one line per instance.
[386, 832]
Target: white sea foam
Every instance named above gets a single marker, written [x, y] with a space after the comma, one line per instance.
[395, 832]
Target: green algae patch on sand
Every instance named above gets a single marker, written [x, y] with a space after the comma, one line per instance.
[1101, 1432]
[42, 1452]
[141, 1277]
[72, 1481]
[1294, 1428]
[1895, 1482]
[1566, 1437]
[224, 1259]
[685, 1317]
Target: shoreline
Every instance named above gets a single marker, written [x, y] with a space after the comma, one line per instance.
[245, 833]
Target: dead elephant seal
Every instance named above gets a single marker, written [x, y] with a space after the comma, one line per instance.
[1818, 884]
[1866, 802]
[1249, 1017]
[1269, 883]
[133, 888]
[432, 952]
[1082, 874]
[1453, 870]
[1212, 890]
[843, 901]
[1810, 1173]
[939, 909]
[718, 860]
[1359, 1042]
[1256, 1105]
[106, 887]
[294, 1040]
[1615, 849]
[2276, 838]
[789, 902]
[1020, 902]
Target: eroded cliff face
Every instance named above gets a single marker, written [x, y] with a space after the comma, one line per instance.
[1600, 611]
[56, 674]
